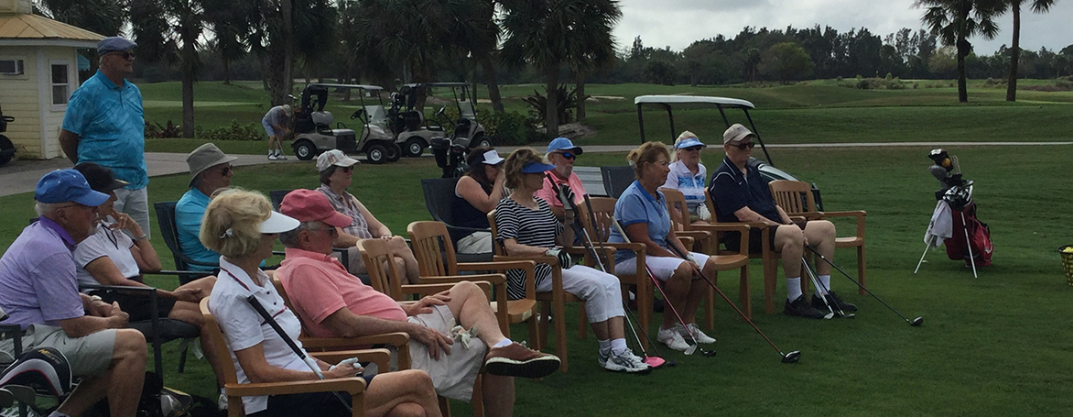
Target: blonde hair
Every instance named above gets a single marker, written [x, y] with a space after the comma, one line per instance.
[514, 163]
[685, 135]
[647, 153]
[232, 222]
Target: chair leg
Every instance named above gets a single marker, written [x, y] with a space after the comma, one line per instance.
[560, 330]
[477, 400]
[709, 309]
[445, 406]
[534, 331]
[745, 303]
[861, 269]
[545, 315]
[182, 358]
[769, 284]
[644, 311]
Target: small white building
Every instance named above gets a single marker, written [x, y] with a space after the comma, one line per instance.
[38, 73]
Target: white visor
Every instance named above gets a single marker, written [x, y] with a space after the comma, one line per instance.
[492, 158]
[278, 223]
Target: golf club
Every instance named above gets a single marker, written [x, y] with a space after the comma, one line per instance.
[816, 282]
[791, 357]
[824, 291]
[252, 299]
[914, 322]
[655, 282]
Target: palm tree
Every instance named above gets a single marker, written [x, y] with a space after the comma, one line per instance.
[101, 16]
[954, 21]
[1038, 6]
[549, 34]
[168, 31]
[231, 23]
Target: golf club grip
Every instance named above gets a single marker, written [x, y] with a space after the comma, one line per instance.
[275, 326]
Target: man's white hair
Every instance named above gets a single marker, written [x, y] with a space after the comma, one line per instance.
[46, 209]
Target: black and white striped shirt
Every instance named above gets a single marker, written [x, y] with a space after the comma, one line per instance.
[529, 227]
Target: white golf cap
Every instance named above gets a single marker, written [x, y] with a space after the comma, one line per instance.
[334, 157]
[278, 223]
[492, 158]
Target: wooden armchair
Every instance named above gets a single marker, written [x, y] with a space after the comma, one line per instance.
[768, 257]
[795, 197]
[554, 300]
[235, 391]
[436, 257]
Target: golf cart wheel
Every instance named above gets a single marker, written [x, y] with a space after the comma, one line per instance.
[305, 150]
[414, 147]
[376, 154]
[7, 150]
[479, 141]
[394, 152]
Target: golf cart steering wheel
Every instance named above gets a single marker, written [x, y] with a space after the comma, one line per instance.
[357, 114]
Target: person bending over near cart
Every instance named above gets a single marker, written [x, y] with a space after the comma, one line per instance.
[687, 175]
[275, 123]
[336, 171]
[739, 194]
[478, 192]
[642, 210]
[526, 226]
[241, 226]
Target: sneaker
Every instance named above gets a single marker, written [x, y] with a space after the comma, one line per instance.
[624, 362]
[697, 334]
[516, 359]
[835, 300]
[280, 156]
[672, 339]
[801, 308]
[272, 157]
[221, 403]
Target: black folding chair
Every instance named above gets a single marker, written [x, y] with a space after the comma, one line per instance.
[617, 179]
[439, 198]
[165, 215]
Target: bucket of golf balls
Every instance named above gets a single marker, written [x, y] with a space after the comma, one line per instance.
[1066, 252]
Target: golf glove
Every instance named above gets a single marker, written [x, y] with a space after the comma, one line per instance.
[692, 259]
[703, 213]
[567, 197]
[565, 261]
[348, 361]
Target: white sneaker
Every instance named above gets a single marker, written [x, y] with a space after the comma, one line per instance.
[672, 339]
[697, 334]
[624, 362]
[280, 156]
[272, 157]
[221, 403]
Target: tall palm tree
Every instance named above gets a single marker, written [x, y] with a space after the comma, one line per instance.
[231, 23]
[549, 34]
[954, 21]
[101, 16]
[1038, 6]
[168, 31]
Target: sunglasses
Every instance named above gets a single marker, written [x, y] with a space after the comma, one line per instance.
[347, 169]
[568, 155]
[124, 54]
[693, 148]
[742, 146]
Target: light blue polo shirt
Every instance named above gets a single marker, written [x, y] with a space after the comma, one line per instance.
[636, 205]
[110, 123]
[188, 213]
[37, 277]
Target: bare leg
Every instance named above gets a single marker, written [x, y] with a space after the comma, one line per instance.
[789, 242]
[122, 383]
[498, 395]
[470, 307]
[403, 252]
[821, 235]
[191, 313]
[677, 289]
[403, 390]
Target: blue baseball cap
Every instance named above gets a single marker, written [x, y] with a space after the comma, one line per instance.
[689, 143]
[114, 44]
[536, 167]
[563, 144]
[65, 185]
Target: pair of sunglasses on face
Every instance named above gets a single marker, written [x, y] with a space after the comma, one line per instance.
[568, 155]
[742, 145]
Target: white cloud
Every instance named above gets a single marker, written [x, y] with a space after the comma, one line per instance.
[677, 23]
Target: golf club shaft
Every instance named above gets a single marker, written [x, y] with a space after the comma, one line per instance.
[816, 282]
[855, 282]
[252, 299]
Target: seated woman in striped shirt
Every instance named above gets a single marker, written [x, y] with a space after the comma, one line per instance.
[526, 226]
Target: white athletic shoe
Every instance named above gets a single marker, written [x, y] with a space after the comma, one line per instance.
[625, 362]
[699, 335]
[672, 339]
[272, 157]
[280, 156]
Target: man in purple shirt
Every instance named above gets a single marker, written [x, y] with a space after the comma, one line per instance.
[39, 290]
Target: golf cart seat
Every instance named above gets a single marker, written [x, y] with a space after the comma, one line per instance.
[323, 120]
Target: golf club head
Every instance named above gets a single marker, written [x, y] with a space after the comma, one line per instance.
[828, 316]
[917, 322]
[690, 350]
[791, 357]
[707, 353]
[846, 315]
[655, 362]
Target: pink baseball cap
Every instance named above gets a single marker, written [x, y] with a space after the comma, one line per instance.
[312, 206]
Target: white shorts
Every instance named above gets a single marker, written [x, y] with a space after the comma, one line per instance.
[662, 267]
[454, 374]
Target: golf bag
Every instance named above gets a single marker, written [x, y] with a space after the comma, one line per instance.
[957, 248]
[45, 370]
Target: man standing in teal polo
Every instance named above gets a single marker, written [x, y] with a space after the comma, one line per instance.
[105, 124]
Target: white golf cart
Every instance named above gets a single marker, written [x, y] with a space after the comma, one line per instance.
[670, 103]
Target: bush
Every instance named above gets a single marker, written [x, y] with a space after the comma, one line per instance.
[880, 84]
[237, 131]
[506, 128]
[155, 130]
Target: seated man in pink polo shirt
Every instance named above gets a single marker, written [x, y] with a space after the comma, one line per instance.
[562, 153]
[333, 303]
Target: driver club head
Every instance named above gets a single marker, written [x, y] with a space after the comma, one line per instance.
[656, 362]
[917, 322]
[707, 353]
[791, 357]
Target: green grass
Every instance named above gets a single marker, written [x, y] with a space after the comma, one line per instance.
[997, 345]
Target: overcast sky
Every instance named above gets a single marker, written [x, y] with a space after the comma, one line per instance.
[677, 23]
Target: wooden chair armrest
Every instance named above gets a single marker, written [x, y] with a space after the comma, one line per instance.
[349, 385]
[496, 265]
[494, 279]
[381, 357]
[859, 214]
[544, 259]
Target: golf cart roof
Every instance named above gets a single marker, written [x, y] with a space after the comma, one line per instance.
[665, 102]
[444, 84]
[361, 86]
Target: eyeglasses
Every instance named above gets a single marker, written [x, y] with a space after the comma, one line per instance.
[125, 54]
[692, 148]
[227, 169]
[568, 155]
[347, 169]
[742, 145]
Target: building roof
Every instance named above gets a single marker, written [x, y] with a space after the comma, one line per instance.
[33, 30]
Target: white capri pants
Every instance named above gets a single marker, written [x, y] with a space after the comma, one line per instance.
[662, 266]
[601, 291]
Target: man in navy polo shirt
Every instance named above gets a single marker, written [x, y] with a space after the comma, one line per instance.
[39, 289]
[105, 124]
[741, 195]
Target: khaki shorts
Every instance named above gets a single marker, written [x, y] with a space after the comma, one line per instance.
[88, 355]
[454, 374]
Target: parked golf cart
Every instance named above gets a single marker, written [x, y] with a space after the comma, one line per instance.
[313, 132]
[767, 170]
[412, 131]
[466, 133]
[7, 149]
